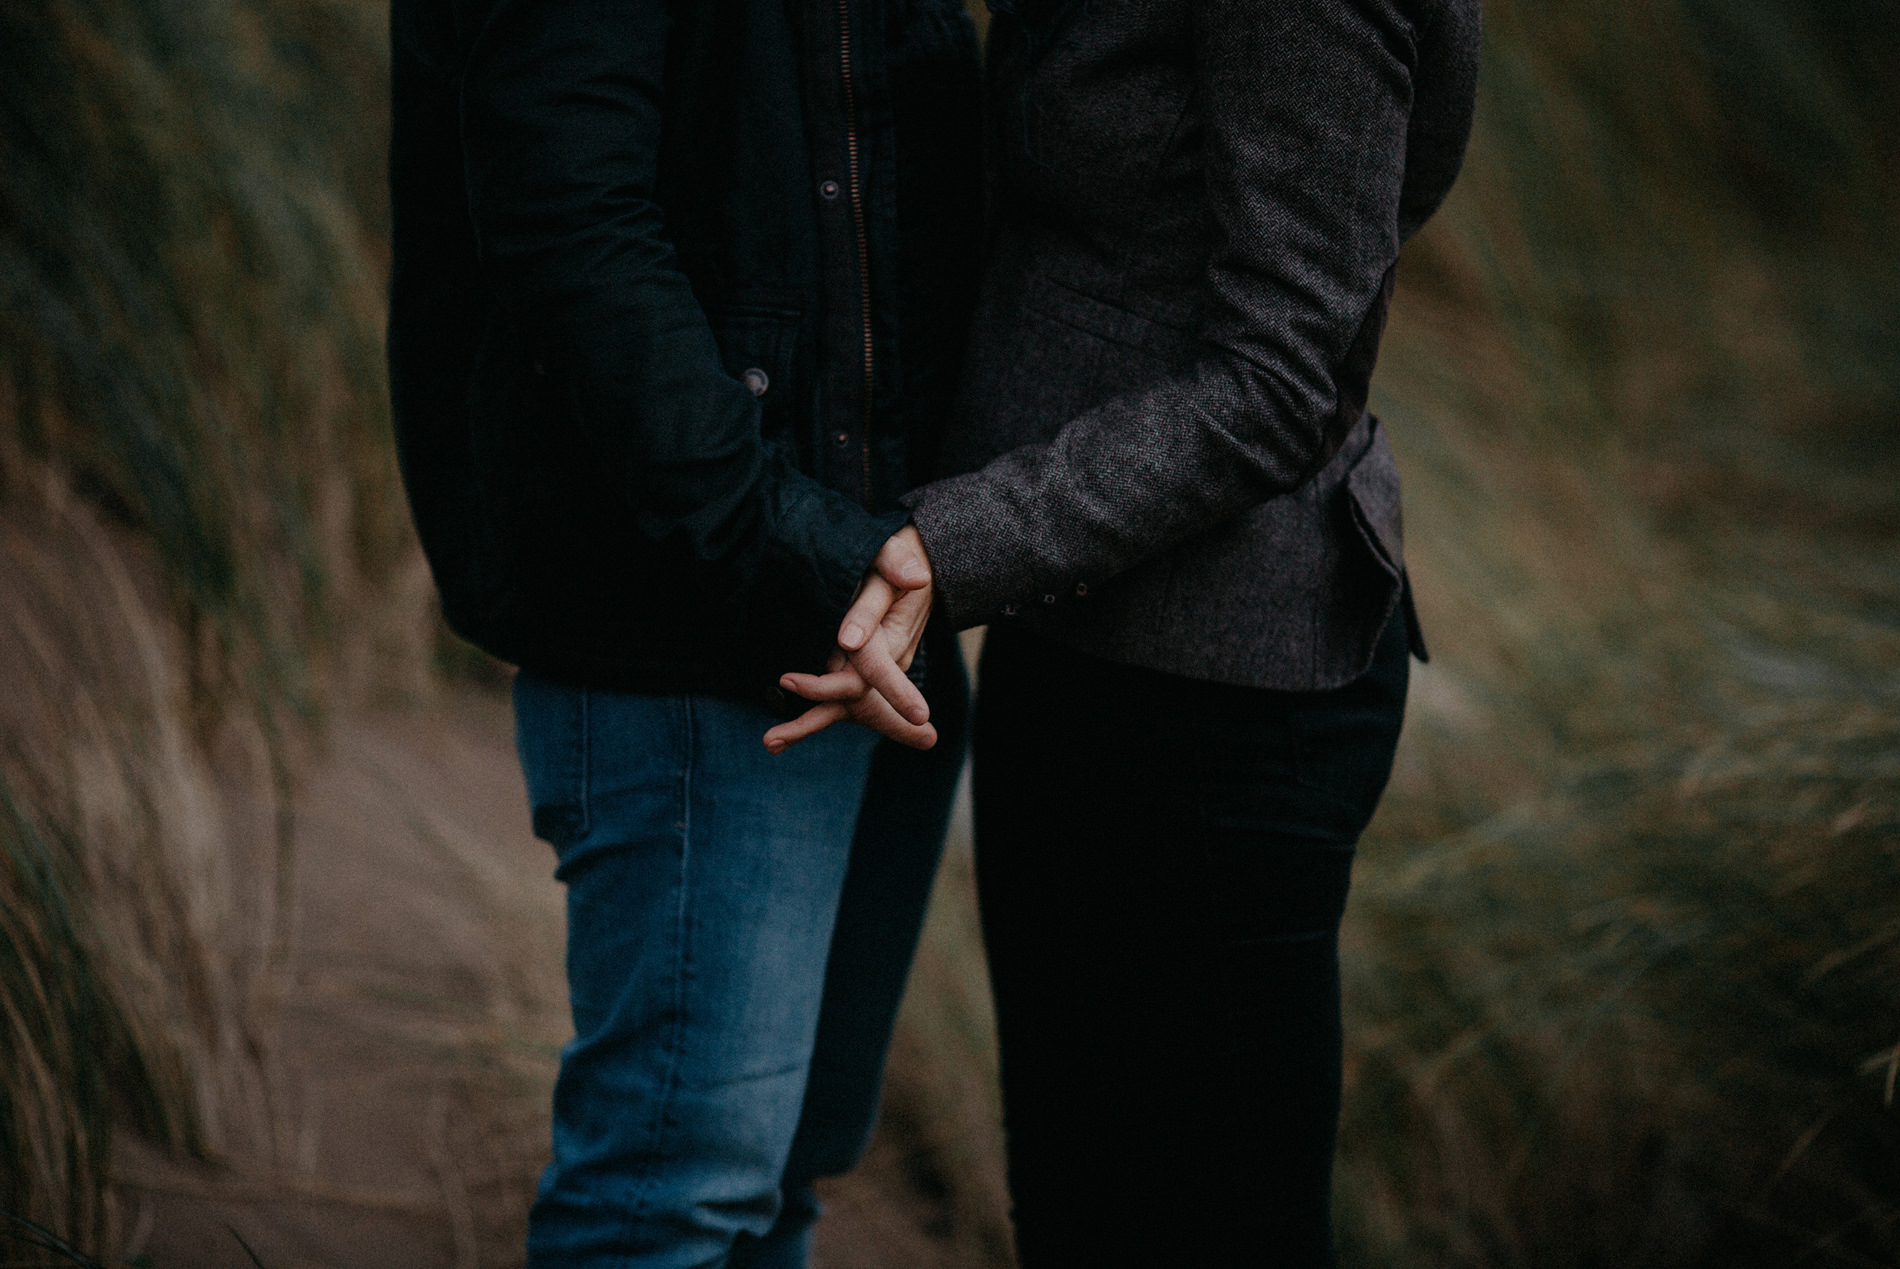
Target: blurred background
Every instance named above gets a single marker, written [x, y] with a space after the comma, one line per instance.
[280, 962]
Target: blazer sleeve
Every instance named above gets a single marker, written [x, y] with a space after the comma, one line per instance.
[560, 122]
[1305, 109]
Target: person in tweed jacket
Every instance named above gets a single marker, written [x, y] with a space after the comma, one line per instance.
[1163, 494]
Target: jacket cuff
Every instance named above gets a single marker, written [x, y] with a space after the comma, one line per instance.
[815, 558]
[965, 538]
[844, 544]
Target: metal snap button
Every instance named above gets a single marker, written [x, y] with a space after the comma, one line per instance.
[829, 189]
[1048, 599]
[841, 440]
[757, 380]
[1081, 588]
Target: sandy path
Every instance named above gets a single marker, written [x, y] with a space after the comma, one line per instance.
[418, 1038]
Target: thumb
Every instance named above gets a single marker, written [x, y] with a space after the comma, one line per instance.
[866, 612]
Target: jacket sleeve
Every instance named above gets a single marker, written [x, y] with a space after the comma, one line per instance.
[560, 123]
[1304, 110]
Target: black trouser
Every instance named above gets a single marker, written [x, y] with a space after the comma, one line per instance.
[1162, 866]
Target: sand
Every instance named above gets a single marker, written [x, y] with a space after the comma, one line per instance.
[411, 1058]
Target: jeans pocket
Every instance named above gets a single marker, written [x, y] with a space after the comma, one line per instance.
[551, 738]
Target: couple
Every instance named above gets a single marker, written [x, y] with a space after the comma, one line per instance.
[743, 351]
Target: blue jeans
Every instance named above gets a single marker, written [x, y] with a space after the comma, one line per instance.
[740, 927]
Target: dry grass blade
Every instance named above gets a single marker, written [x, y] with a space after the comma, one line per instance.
[251, 1255]
[1890, 1062]
[36, 1235]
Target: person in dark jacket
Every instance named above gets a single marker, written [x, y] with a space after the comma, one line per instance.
[679, 295]
[1164, 496]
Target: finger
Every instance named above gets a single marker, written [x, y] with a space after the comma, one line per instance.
[904, 628]
[876, 713]
[866, 611]
[844, 685]
[874, 663]
[809, 723]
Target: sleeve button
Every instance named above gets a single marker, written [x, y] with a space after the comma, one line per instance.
[757, 380]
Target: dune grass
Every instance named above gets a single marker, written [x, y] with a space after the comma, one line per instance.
[201, 546]
[1624, 956]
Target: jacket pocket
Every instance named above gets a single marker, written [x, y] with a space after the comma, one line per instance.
[1371, 581]
[758, 346]
[1072, 353]
[1372, 488]
[1167, 341]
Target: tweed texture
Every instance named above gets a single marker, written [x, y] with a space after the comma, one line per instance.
[1160, 453]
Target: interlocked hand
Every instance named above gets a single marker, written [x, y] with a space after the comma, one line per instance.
[864, 680]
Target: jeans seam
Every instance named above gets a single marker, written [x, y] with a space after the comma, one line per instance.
[665, 1126]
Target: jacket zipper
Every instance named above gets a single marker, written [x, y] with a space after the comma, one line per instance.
[857, 223]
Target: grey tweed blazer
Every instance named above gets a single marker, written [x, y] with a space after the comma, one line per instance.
[1161, 453]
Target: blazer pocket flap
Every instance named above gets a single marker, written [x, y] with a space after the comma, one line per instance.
[1111, 322]
[1373, 484]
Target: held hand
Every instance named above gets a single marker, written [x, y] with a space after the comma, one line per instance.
[877, 640]
[887, 620]
[855, 701]
[844, 692]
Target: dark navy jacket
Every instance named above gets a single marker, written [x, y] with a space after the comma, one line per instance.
[679, 291]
